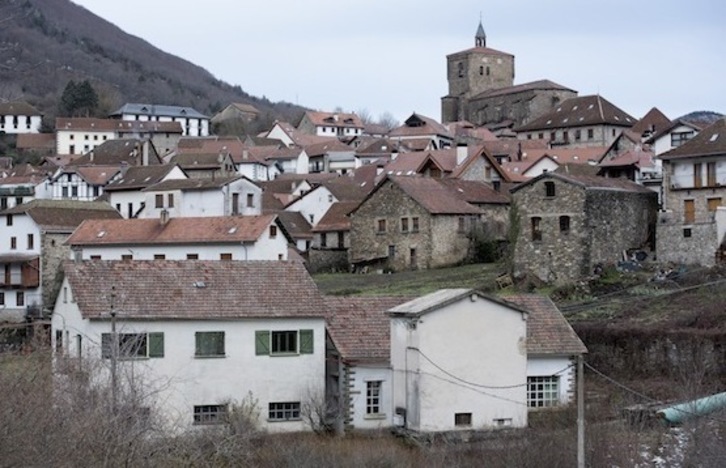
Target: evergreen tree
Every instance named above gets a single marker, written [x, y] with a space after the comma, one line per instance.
[78, 100]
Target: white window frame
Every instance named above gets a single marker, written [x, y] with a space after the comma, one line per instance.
[543, 391]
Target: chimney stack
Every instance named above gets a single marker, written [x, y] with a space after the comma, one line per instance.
[164, 217]
[462, 152]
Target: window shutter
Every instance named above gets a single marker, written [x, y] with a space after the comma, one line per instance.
[262, 342]
[306, 342]
[156, 345]
[198, 348]
[106, 346]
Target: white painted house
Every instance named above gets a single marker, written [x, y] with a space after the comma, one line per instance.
[209, 238]
[84, 183]
[31, 251]
[331, 124]
[192, 121]
[125, 192]
[679, 132]
[224, 196]
[197, 337]
[19, 117]
[450, 360]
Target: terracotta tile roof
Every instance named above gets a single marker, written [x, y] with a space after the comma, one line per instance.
[634, 157]
[431, 194]
[419, 125]
[337, 119]
[467, 129]
[332, 144]
[360, 327]
[139, 177]
[511, 147]
[29, 179]
[336, 218]
[18, 108]
[548, 332]
[215, 229]
[271, 202]
[406, 163]
[476, 193]
[563, 155]
[29, 141]
[711, 141]
[95, 175]
[191, 289]
[63, 215]
[314, 178]
[346, 189]
[524, 87]
[652, 122]
[191, 184]
[115, 125]
[236, 148]
[273, 153]
[295, 224]
[375, 129]
[578, 169]
[193, 161]
[366, 176]
[116, 152]
[280, 185]
[415, 144]
[697, 127]
[590, 182]
[578, 112]
[245, 107]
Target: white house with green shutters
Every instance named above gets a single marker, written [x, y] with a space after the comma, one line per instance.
[194, 338]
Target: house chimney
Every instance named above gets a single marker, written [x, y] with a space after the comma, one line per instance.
[90, 156]
[145, 153]
[164, 217]
[245, 154]
[519, 151]
[462, 152]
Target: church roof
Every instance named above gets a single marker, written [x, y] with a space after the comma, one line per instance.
[524, 87]
[581, 111]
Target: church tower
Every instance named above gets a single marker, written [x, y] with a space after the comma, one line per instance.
[472, 72]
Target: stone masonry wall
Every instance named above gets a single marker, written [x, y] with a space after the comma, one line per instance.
[54, 253]
[687, 244]
[450, 246]
[328, 260]
[390, 203]
[559, 256]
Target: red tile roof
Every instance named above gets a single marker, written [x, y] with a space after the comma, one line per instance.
[480, 50]
[419, 125]
[192, 184]
[360, 327]
[18, 108]
[432, 195]
[35, 141]
[548, 332]
[336, 218]
[221, 229]
[578, 112]
[139, 177]
[653, 122]
[634, 157]
[590, 182]
[336, 119]
[476, 193]
[524, 87]
[191, 289]
[711, 141]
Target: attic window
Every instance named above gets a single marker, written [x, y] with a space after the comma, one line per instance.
[559, 109]
[714, 137]
[565, 120]
[232, 230]
[591, 106]
[101, 234]
[199, 284]
[617, 118]
[549, 122]
[574, 108]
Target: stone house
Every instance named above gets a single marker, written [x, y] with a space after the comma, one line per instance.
[331, 239]
[32, 250]
[236, 110]
[420, 133]
[692, 225]
[568, 224]
[410, 222]
[577, 122]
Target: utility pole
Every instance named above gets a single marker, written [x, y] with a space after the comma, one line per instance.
[580, 412]
[114, 353]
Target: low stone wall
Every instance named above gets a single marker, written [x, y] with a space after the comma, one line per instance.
[324, 260]
[689, 244]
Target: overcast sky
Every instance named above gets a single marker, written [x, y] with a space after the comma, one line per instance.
[391, 55]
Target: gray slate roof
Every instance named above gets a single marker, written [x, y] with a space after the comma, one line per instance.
[158, 110]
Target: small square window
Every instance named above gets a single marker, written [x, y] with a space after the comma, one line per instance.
[284, 341]
[159, 257]
[225, 256]
[381, 226]
[273, 231]
[687, 232]
[159, 201]
[414, 224]
[209, 344]
[250, 200]
[192, 256]
[404, 224]
[549, 189]
[564, 224]
[543, 392]
[462, 419]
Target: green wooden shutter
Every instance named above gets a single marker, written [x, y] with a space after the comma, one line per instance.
[156, 345]
[306, 342]
[262, 342]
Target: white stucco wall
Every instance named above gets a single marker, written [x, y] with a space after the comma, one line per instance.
[478, 341]
[15, 124]
[358, 397]
[562, 366]
[82, 141]
[279, 134]
[313, 205]
[177, 382]
[22, 226]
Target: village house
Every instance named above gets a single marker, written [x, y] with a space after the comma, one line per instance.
[205, 165]
[247, 161]
[314, 203]
[577, 122]
[296, 227]
[81, 182]
[125, 192]
[568, 224]
[291, 136]
[673, 136]
[193, 123]
[692, 225]
[330, 156]
[224, 196]
[420, 133]
[410, 222]
[331, 124]
[653, 122]
[32, 250]
[236, 110]
[81, 135]
[208, 238]
[119, 152]
[22, 184]
[331, 239]
[19, 117]
[389, 366]
[231, 332]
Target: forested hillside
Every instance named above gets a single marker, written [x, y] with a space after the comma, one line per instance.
[46, 43]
